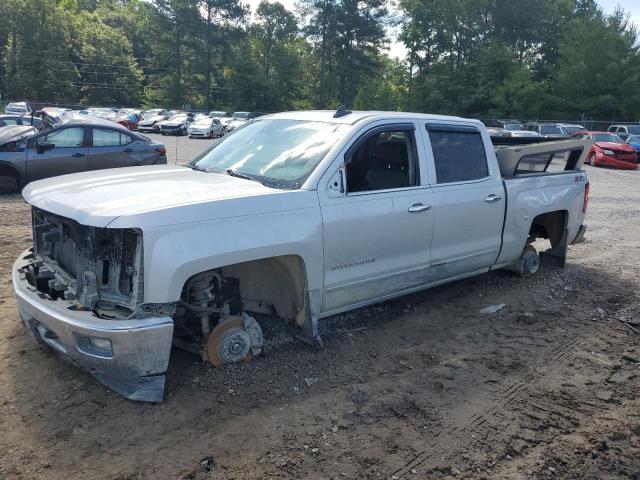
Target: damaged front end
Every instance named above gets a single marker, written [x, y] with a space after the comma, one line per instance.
[80, 291]
[99, 268]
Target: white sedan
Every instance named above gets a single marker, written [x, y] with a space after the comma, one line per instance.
[205, 127]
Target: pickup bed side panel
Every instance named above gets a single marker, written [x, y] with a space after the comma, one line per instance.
[173, 254]
[531, 196]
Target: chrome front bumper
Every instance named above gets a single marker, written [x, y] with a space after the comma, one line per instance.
[138, 357]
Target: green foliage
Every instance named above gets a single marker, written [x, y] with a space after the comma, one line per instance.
[523, 59]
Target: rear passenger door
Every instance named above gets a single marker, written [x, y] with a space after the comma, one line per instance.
[57, 152]
[469, 201]
[111, 148]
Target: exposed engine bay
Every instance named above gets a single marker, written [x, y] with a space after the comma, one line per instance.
[99, 268]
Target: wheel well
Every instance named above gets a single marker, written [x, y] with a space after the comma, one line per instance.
[275, 285]
[8, 170]
[550, 225]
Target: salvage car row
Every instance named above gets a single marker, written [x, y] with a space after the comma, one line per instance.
[618, 147]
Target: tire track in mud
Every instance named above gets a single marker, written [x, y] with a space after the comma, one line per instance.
[516, 397]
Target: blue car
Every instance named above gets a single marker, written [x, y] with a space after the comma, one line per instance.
[634, 141]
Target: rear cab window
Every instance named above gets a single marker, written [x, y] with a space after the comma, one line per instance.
[459, 154]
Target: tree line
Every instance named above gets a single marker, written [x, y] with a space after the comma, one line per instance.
[510, 58]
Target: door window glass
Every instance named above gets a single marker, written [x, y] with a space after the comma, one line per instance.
[459, 156]
[103, 137]
[384, 160]
[66, 137]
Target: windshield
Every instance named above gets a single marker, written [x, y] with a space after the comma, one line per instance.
[277, 153]
[241, 115]
[633, 139]
[217, 114]
[550, 130]
[202, 121]
[607, 137]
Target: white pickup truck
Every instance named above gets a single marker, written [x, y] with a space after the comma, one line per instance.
[295, 217]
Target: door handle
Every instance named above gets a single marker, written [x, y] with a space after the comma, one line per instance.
[127, 150]
[419, 207]
[492, 198]
[78, 155]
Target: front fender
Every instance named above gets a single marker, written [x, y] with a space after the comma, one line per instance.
[174, 254]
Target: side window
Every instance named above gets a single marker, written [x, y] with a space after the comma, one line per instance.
[459, 156]
[103, 137]
[8, 121]
[383, 161]
[66, 137]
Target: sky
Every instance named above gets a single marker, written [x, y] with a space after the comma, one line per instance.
[397, 49]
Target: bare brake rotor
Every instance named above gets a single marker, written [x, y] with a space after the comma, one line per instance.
[234, 339]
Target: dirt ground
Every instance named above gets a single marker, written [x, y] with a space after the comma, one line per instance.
[418, 388]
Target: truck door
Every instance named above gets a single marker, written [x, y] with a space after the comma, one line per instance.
[469, 201]
[377, 228]
[57, 152]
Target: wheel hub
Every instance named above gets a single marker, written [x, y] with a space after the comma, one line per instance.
[234, 339]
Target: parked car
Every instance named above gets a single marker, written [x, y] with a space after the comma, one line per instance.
[218, 114]
[151, 123]
[238, 119]
[153, 112]
[104, 113]
[176, 125]
[15, 119]
[547, 130]
[128, 120]
[634, 141]
[496, 131]
[610, 150]
[623, 131]
[521, 133]
[75, 144]
[509, 124]
[283, 219]
[18, 108]
[206, 127]
[570, 128]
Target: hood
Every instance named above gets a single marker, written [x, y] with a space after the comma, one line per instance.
[153, 119]
[200, 125]
[98, 198]
[617, 147]
[11, 133]
[174, 122]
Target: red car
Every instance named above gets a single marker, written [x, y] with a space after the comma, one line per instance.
[128, 120]
[610, 150]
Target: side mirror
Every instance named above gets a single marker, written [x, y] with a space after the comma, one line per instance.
[335, 186]
[44, 147]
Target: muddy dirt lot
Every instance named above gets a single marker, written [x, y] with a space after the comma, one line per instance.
[422, 387]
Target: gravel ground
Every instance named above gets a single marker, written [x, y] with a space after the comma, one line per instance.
[421, 387]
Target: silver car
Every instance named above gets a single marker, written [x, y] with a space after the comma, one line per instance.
[73, 145]
[206, 127]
